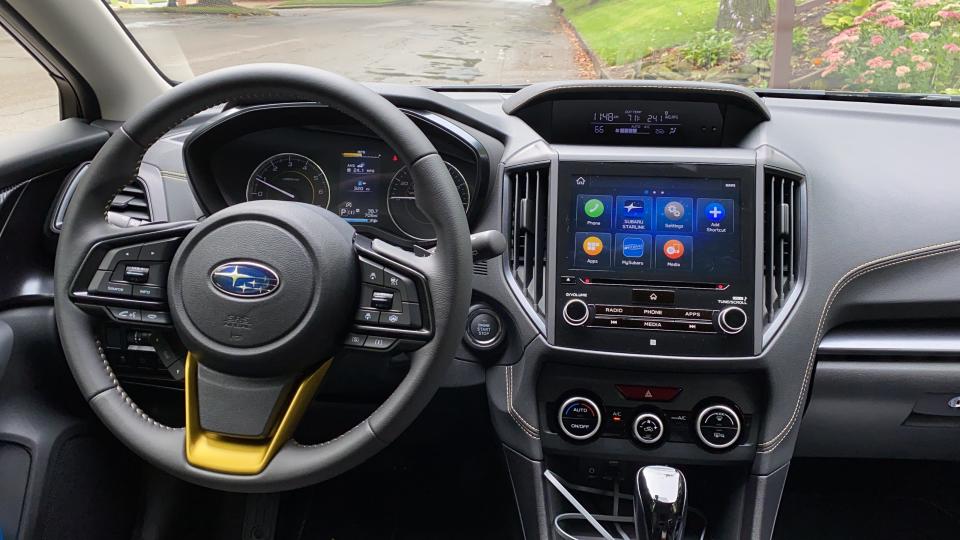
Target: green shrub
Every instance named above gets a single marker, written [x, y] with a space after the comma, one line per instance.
[762, 49]
[842, 16]
[707, 49]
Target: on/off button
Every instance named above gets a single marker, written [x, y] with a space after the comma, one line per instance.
[654, 297]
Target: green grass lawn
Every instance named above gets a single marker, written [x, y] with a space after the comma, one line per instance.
[620, 31]
[322, 3]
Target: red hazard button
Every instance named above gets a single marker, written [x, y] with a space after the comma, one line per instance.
[648, 393]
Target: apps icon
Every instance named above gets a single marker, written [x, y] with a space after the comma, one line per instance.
[674, 252]
[594, 212]
[592, 246]
[633, 213]
[592, 250]
[634, 251]
[674, 214]
[715, 215]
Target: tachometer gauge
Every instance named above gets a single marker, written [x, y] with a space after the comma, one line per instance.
[289, 177]
[403, 207]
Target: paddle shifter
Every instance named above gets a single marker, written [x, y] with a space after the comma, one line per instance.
[660, 503]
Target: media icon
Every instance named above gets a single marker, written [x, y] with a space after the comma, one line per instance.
[673, 249]
[674, 252]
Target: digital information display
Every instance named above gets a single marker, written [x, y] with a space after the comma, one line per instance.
[655, 228]
[361, 187]
[630, 123]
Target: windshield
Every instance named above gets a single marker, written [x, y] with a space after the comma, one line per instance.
[906, 46]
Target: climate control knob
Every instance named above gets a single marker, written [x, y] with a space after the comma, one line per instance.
[732, 320]
[576, 312]
[718, 426]
[648, 428]
[579, 418]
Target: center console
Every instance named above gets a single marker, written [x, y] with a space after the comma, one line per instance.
[656, 258]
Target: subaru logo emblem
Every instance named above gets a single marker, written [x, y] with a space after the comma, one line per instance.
[245, 279]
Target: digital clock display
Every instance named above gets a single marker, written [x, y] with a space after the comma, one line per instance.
[640, 123]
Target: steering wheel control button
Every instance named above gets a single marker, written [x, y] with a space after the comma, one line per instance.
[732, 320]
[371, 272]
[648, 428]
[381, 300]
[579, 418]
[101, 284]
[393, 318]
[155, 317]
[125, 314]
[368, 316]
[147, 292]
[379, 343]
[648, 393]
[159, 251]
[355, 340]
[718, 427]
[408, 291]
[118, 255]
[576, 312]
[484, 329]
[136, 273]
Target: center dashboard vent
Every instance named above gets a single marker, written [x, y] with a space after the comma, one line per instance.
[782, 228]
[528, 189]
[130, 207]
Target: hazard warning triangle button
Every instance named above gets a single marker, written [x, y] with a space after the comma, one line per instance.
[648, 393]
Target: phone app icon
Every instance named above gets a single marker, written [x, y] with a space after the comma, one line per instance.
[593, 208]
[592, 246]
[594, 212]
[673, 249]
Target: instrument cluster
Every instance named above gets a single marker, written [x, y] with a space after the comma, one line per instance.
[319, 156]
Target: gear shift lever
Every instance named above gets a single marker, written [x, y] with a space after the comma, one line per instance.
[660, 503]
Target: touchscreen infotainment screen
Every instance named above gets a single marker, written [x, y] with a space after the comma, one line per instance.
[655, 227]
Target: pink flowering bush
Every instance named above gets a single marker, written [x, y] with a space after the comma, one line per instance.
[897, 46]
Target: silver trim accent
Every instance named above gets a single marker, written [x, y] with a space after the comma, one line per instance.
[636, 434]
[591, 403]
[576, 322]
[727, 328]
[710, 409]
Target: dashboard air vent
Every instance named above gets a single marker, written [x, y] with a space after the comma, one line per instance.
[528, 191]
[130, 207]
[781, 240]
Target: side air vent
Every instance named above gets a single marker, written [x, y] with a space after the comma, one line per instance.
[527, 191]
[130, 207]
[781, 240]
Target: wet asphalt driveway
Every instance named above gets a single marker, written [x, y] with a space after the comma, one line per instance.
[429, 42]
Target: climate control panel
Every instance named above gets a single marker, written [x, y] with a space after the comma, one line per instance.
[715, 424]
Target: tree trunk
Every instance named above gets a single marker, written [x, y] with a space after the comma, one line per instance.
[742, 14]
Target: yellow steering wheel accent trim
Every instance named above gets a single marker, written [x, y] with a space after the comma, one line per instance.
[237, 455]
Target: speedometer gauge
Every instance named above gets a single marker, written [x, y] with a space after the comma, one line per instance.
[289, 177]
[403, 207]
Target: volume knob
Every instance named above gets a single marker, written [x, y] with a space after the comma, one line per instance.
[576, 312]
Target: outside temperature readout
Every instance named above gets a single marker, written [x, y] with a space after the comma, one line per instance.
[664, 123]
[633, 122]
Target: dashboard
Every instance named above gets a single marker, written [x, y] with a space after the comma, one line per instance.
[319, 156]
[674, 251]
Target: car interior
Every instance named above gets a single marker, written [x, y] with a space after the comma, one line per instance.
[273, 302]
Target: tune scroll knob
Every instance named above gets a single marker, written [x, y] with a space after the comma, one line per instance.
[576, 312]
[732, 320]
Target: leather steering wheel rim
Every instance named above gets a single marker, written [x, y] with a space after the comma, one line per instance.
[447, 271]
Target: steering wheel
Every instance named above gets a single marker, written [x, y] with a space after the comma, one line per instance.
[262, 294]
